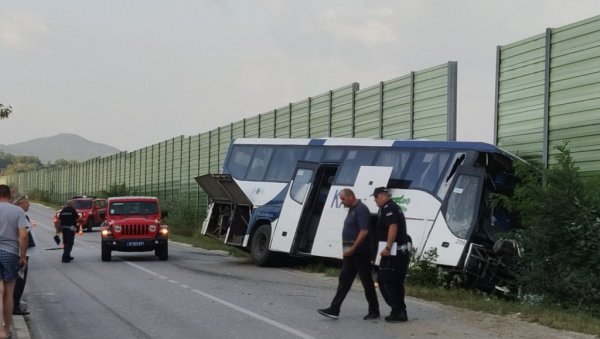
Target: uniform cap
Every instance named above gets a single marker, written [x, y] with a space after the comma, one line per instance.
[379, 190]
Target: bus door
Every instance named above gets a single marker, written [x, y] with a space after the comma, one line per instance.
[458, 216]
[302, 207]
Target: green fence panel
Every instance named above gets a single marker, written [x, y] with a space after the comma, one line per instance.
[300, 120]
[282, 122]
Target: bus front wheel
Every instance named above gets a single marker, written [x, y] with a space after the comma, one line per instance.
[259, 247]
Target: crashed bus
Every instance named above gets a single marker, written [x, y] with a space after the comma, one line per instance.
[279, 197]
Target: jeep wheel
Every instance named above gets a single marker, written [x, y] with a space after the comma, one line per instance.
[162, 252]
[105, 253]
[259, 247]
[89, 225]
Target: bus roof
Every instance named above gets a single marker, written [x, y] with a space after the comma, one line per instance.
[451, 145]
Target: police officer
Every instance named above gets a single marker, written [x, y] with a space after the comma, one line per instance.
[68, 221]
[395, 247]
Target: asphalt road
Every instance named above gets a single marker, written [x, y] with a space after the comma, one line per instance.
[202, 294]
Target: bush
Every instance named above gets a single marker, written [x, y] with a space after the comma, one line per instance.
[560, 216]
[424, 272]
[183, 219]
[40, 196]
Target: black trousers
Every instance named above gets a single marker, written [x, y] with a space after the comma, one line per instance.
[359, 263]
[391, 275]
[68, 241]
[20, 285]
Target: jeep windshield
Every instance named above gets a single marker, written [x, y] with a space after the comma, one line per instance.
[82, 204]
[133, 208]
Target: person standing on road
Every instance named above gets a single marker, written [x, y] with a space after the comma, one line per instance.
[18, 309]
[68, 220]
[395, 245]
[356, 257]
[13, 251]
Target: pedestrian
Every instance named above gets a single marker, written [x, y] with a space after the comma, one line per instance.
[356, 257]
[19, 307]
[395, 246]
[68, 219]
[13, 252]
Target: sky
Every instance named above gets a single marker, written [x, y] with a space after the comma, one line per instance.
[131, 73]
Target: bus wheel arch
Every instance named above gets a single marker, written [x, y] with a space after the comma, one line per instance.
[259, 245]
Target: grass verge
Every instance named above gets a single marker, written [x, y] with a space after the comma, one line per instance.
[208, 243]
[547, 315]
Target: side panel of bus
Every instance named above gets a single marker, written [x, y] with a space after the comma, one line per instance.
[328, 240]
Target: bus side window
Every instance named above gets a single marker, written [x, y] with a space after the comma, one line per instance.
[258, 167]
[283, 164]
[354, 159]
[397, 160]
[238, 161]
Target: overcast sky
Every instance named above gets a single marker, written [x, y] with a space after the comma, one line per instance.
[130, 73]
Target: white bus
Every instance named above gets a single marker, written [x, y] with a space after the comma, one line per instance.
[281, 196]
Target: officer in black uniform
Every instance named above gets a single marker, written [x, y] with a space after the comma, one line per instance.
[68, 220]
[391, 233]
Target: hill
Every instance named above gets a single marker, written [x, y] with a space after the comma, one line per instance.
[62, 146]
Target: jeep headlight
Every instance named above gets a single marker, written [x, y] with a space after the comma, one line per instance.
[117, 228]
[152, 228]
[164, 231]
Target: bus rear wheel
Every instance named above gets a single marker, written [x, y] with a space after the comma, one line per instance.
[259, 247]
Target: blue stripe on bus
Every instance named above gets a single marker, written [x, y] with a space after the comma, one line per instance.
[316, 142]
[463, 145]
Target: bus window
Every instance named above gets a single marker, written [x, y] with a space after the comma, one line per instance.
[258, 167]
[238, 161]
[354, 159]
[333, 155]
[283, 164]
[395, 159]
[313, 154]
[300, 186]
[426, 169]
[457, 160]
[463, 199]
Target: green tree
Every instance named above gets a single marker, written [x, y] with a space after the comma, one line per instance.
[560, 216]
[23, 163]
[5, 111]
[64, 163]
[5, 160]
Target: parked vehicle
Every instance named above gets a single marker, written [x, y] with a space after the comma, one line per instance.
[133, 224]
[90, 209]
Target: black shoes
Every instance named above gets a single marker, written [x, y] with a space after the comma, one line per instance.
[396, 317]
[67, 260]
[371, 315]
[329, 312]
[18, 310]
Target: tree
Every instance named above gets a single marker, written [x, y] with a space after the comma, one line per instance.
[5, 111]
[560, 216]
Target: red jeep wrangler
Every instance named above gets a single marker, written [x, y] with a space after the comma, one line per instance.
[133, 224]
[91, 210]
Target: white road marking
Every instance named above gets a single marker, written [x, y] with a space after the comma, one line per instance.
[235, 307]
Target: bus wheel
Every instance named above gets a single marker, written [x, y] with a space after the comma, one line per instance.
[259, 248]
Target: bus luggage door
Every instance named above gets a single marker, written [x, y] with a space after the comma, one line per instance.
[294, 205]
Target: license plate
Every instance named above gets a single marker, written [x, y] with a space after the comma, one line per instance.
[134, 243]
